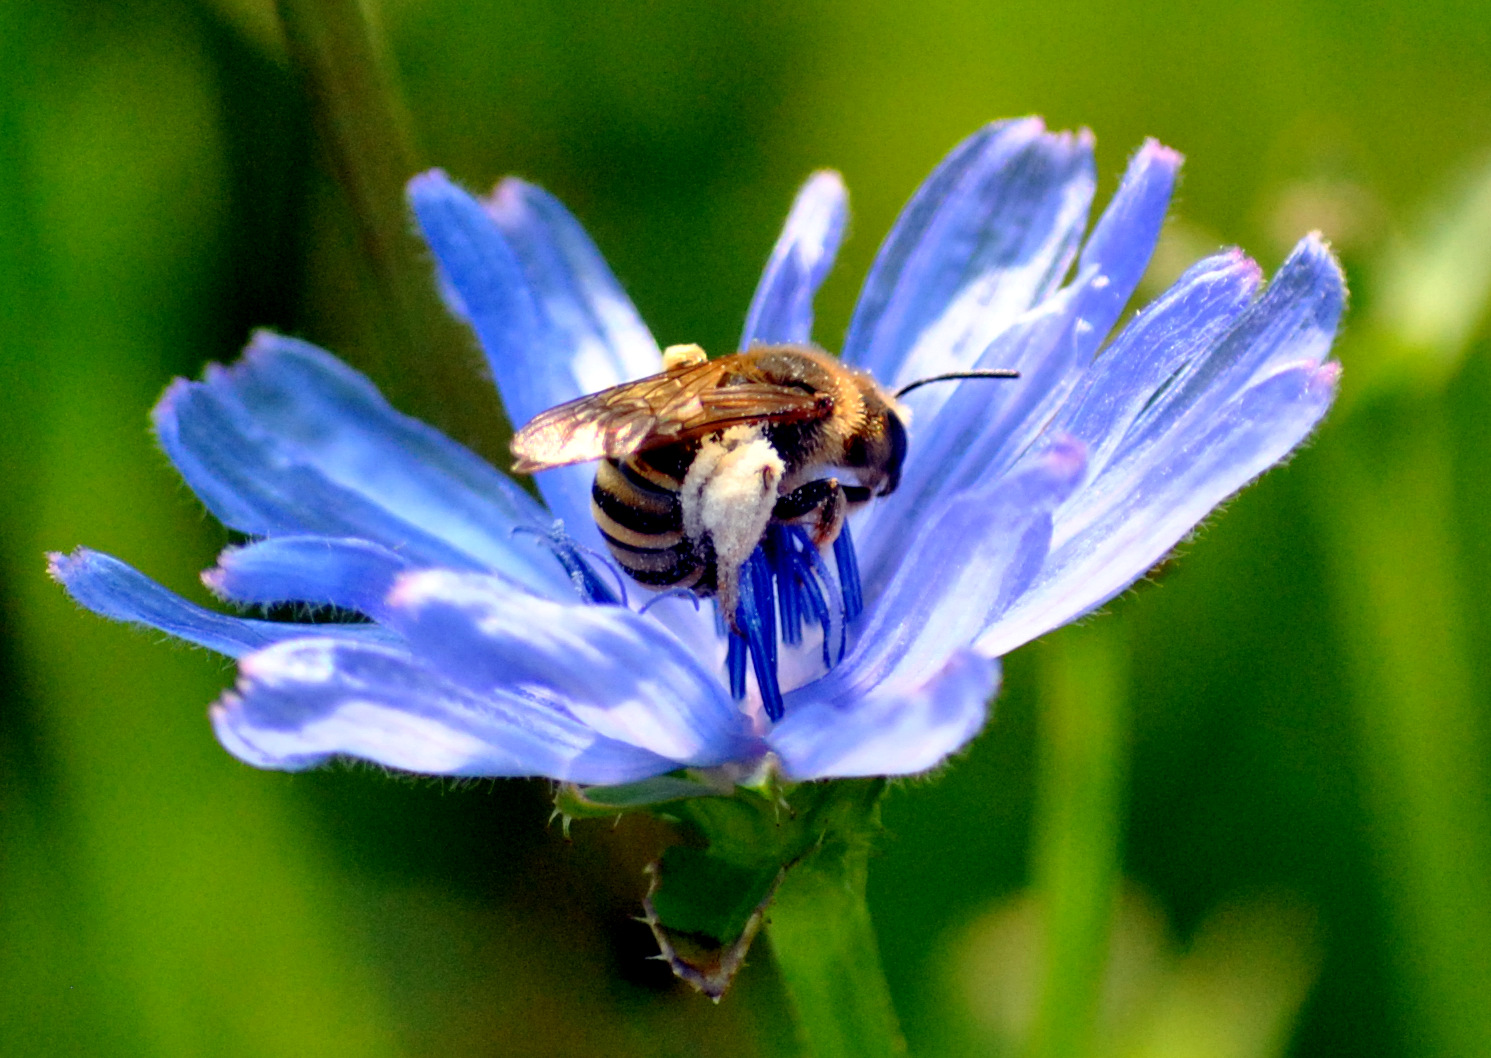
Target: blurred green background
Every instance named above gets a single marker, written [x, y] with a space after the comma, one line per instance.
[1297, 707]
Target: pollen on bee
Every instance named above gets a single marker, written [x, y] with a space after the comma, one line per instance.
[683, 356]
[736, 493]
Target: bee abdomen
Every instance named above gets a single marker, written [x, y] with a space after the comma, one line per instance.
[638, 512]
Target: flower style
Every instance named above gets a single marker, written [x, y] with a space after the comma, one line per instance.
[498, 641]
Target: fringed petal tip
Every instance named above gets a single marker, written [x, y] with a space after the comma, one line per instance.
[431, 181]
[1313, 258]
[263, 344]
[1154, 153]
[1325, 379]
[1032, 127]
[58, 564]
[163, 414]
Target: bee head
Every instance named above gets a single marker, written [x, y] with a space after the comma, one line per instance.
[878, 450]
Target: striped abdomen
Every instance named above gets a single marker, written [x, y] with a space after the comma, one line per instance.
[637, 509]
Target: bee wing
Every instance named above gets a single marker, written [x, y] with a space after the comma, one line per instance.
[674, 406]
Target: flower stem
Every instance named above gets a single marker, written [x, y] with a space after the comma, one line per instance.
[828, 958]
[419, 353]
[1389, 511]
[1083, 746]
[361, 123]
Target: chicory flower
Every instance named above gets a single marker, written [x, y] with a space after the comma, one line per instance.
[498, 641]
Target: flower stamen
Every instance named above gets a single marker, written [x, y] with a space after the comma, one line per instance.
[848, 563]
[587, 585]
[783, 583]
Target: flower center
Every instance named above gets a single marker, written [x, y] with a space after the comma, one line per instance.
[784, 585]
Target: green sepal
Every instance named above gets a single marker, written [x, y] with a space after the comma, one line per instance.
[704, 912]
[710, 897]
[597, 802]
[700, 893]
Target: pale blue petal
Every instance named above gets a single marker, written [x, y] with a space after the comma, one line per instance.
[290, 440]
[319, 570]
[973, 556]
[301, 702]
[989, 234]
[1102, 549]
[1123, 240]
[1293, 322]
[782, 310]
[964, 434]
[617, 671]
[577, 294]
[1227, 414]
[955, 452]
[111, 589]
[896, 729]
[534, 360]
[480, 268]
[1182, 325]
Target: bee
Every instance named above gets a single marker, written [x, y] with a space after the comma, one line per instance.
[697, 462]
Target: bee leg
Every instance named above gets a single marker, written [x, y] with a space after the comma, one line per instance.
[727, 497]
[824, 500]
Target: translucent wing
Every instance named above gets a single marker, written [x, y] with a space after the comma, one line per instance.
[686, 402]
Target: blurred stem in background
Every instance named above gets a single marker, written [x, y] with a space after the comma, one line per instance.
[1385, 483]
[1083, 765]
[158, 899]
[423, 359]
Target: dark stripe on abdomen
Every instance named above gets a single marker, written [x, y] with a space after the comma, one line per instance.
[642, 523]
[618, 504]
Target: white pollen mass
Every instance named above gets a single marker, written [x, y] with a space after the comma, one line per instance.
[728, 495]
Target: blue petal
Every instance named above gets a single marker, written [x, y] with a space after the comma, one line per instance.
[897, 729]
[483, 272]
[1099, 549]
[979, 425]
[971, 558]
[112, 589]
[967, 433]
[1293, 322]
[536, 362]
[1228, 413]
[1124, 238]
[577, 294]
[989, 234]
[615, 670]
[301, 702]
[320, 570]
[910, 692]
[1183, 325]
[292, 441]
[782, 310]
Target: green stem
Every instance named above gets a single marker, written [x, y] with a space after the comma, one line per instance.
[1389, 514]
[1083, 733]
[363, 127]
[421, 356]
[828, 958]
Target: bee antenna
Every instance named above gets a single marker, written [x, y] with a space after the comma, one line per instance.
[952, 375]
